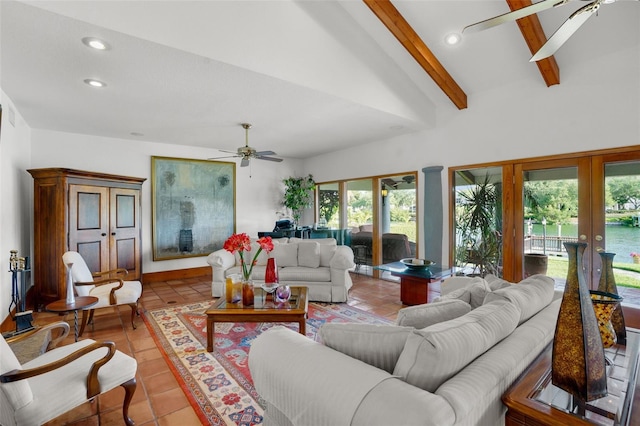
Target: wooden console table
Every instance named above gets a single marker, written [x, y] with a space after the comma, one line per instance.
[534, 400]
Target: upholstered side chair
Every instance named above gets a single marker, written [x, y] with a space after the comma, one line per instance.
[108, 286]
[61, 379]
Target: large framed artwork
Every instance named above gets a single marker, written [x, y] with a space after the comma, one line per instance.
[193, 206]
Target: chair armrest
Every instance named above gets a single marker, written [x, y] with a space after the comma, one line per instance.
[342, 258]
[112, 293]
[221, 259]
[93, 384]
[113, 271]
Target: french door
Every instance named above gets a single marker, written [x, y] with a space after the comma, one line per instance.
[591, 198]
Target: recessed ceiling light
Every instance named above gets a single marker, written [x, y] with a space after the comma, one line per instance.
[95, 43]
[95, 83]
[137, 134]
[452, 39]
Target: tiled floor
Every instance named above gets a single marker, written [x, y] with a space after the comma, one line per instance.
[158, 399]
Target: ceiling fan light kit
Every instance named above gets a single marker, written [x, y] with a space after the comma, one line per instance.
[247, 153]
[562, 34]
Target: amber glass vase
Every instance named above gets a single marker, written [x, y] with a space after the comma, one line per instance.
[578, 363]
[604, 305]
[607, 284]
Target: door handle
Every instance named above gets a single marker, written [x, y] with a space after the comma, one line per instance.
[104, 234]
[113, 233]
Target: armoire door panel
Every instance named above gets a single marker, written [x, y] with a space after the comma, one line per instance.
[89, 221]
[91, 252]
[126, 254]
[125, 231]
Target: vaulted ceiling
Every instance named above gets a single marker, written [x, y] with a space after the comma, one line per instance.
[311, 76]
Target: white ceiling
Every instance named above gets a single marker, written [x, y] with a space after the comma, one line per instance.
[311, 76]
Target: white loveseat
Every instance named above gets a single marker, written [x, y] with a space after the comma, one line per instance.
[319, 264]
[451, 372]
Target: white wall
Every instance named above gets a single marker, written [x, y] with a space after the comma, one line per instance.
[16, 189]
[258, 198]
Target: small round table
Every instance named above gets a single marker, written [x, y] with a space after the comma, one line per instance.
[62, 306]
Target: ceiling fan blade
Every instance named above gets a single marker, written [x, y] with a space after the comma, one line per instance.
[228, 156]
[514, 15]
[259, 153]
[566, 30]
[244, 162]
[278, 160]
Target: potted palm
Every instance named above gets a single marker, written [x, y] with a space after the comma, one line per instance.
[298, 195]
[479, 227]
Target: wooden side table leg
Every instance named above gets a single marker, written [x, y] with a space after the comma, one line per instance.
[210, 330]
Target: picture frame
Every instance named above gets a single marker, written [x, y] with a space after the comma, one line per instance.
[193, 206]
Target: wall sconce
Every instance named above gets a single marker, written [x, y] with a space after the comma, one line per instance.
[384, 192]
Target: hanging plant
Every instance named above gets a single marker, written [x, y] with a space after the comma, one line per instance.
[298, 195]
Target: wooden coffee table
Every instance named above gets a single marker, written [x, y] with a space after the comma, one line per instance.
[264, 309]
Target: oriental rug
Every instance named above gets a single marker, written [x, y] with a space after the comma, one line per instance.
[219, 384]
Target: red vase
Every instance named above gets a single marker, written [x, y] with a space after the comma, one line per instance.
[271, 273]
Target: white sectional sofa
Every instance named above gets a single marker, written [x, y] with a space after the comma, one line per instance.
[444, 363]
[319, 264]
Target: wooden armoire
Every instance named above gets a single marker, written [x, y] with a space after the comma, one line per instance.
[96, 214]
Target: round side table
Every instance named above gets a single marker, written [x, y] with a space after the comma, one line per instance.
[81, 302]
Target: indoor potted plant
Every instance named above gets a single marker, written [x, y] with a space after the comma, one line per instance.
[298, 195]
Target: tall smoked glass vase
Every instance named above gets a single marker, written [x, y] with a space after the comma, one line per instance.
[608, 285]
[578, 363]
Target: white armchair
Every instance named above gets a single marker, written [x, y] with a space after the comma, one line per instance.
[59, 380]
[110, 290]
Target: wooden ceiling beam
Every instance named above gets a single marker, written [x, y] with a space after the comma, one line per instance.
[406, 35]
[534, 36]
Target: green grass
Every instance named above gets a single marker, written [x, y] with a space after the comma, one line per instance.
[557, 267]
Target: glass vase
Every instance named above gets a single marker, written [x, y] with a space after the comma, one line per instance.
[607, 284]
[283, 293]
[247, 291]
[605, 305]
[270, 276]
[578, 363]
[71, 297]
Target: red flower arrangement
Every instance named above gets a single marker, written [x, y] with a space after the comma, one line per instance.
[241, 243]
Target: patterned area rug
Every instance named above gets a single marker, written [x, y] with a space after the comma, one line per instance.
[219, 384]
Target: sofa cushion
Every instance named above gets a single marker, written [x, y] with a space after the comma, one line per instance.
[531, 295]
[455, 283]
[309, 254]
[496, 283]
[422, 316]
[285, 254]
[303, 274]
[472, 293]
[434, 354]
[326, 253]
[377, 345]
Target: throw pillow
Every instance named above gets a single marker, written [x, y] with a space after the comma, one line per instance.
[285, 254]
[326, 253]
[473, 293]
[496, 283]
[377, 345]
[455, 283]
[531, 295]
[309, 254]
[434, 354]
[422, 316]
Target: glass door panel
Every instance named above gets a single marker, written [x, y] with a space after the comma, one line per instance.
[617, 223]
[360, 220]
[550, 219]
[478, 220]
[329, 205]
[398, 217]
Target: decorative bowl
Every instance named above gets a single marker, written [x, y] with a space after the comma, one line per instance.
[269, 287]
[413, 263]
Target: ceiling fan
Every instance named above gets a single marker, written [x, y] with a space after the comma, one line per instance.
[247, 153]
[558, 38]
[393, 184]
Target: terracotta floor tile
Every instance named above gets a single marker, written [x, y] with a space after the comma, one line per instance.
[168, 402]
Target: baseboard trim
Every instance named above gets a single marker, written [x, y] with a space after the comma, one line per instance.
[177, 274]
